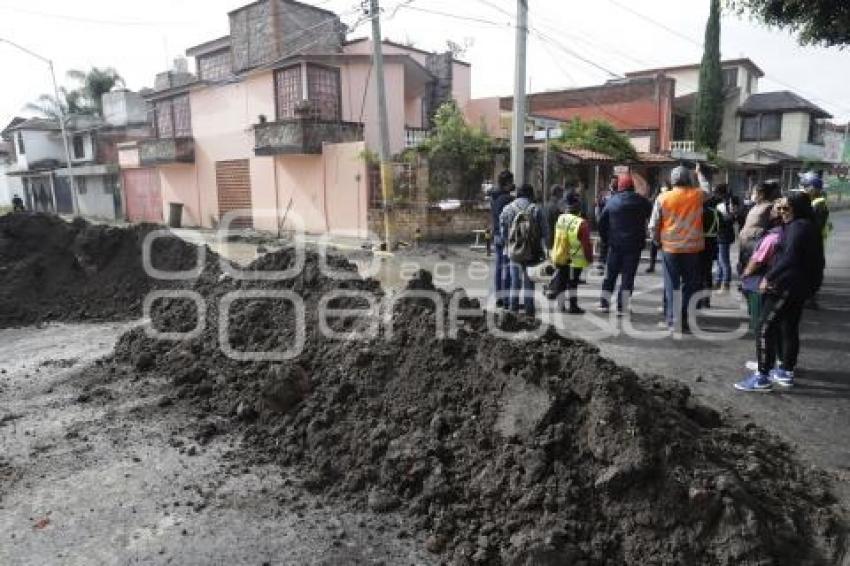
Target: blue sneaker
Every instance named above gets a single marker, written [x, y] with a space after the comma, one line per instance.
[755, 382]
[782, 377]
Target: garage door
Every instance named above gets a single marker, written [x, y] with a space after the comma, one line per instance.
[233, 181]
[141, 191]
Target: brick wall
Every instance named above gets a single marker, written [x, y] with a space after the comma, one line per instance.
[434, 224]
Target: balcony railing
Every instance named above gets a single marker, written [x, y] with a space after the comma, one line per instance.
[684, 146]
[302, 135]
[166, 150]
[415, 136]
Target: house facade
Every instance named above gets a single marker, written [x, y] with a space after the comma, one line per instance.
[41, 166]
[277, 121]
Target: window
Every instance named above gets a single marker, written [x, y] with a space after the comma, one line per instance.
[79, 146]
[288, 91]
[762, 127]
[21, 143]
[174, 117]
[816, 129]
[323, 91]
[730, 77]
[215, 66]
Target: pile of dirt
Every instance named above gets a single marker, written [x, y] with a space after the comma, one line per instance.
[51, 269]
[502, 451]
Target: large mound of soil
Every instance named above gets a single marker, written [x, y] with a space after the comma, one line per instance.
[55, 270]
[505, 452]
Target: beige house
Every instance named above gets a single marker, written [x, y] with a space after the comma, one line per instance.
[277, 120]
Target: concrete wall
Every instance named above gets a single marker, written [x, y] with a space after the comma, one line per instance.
[461, 84]
[122, 107]
[98, 200]
[434, 224]
[179, 183]
[355, 80]
[38, 145]
[9, 186]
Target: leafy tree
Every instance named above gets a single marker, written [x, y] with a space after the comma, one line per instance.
[69, 102]
[708, 115]
[459, 155]
[816, 22]
[597, 135]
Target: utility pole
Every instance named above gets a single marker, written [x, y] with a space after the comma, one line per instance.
[518, 132]
[61, 113]
[383, 122]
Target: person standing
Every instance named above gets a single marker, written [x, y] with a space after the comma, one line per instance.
[813, 185]
[17, 204]
[522, 227]
[653, 246]
[572, 252]
[601, 203]
[794, 276]
[710, 229]
[500, 197]
[623, 226]
[676, 224]
[757, 221]
[727, 214]
[551, 211]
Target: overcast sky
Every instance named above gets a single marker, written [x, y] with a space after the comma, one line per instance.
[572, 42]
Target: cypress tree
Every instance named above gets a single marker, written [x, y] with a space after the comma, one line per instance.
[708, 115]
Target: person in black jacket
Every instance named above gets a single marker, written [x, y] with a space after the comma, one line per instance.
[622, 225]
[794, 276]
[551, 211]
[500, 197]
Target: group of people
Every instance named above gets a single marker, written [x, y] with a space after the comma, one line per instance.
[693, 226]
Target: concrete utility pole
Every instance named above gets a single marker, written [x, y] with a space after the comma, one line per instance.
[61, 113]
[518, 132]
[383, 122]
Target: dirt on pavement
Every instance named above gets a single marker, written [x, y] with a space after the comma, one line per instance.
[53, 270]
[499, 451]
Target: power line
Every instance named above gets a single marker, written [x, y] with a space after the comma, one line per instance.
[458, 16]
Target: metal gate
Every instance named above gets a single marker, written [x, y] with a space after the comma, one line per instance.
[141, 191]
[233, 181]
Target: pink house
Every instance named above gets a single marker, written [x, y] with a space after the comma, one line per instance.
[277, 120]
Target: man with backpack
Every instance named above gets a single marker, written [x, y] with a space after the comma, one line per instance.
[522, 228]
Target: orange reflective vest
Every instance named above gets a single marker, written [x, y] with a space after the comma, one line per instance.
[681, 221]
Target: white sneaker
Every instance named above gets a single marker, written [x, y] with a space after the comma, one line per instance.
[752, 365]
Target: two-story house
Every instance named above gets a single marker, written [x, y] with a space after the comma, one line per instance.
[42, 166]
[278, 119]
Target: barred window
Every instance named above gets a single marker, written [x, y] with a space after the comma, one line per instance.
[182, 117]
[288, 91]
[174, 117]
[164, 122]
[216, 65]
[323, 91]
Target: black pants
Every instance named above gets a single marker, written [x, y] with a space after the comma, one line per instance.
[565, 279]
[653, 255]
[778, 331]
[706, 260]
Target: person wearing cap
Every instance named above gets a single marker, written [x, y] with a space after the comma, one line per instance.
[500, 197]
[571, 253]
[676, 224]
[623, 226]
[813, 185]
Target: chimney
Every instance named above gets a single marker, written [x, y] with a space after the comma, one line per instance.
[181, 65]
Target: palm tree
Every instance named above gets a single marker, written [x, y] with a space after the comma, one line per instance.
[95, 83]
[85, 99]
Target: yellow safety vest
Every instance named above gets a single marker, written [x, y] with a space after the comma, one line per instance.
[567, 248]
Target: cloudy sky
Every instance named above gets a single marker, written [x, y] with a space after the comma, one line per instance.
[571, 43]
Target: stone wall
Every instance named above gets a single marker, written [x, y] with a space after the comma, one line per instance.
[265, 31]
[440, 90]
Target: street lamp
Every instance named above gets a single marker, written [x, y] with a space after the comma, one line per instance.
[61, 118]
